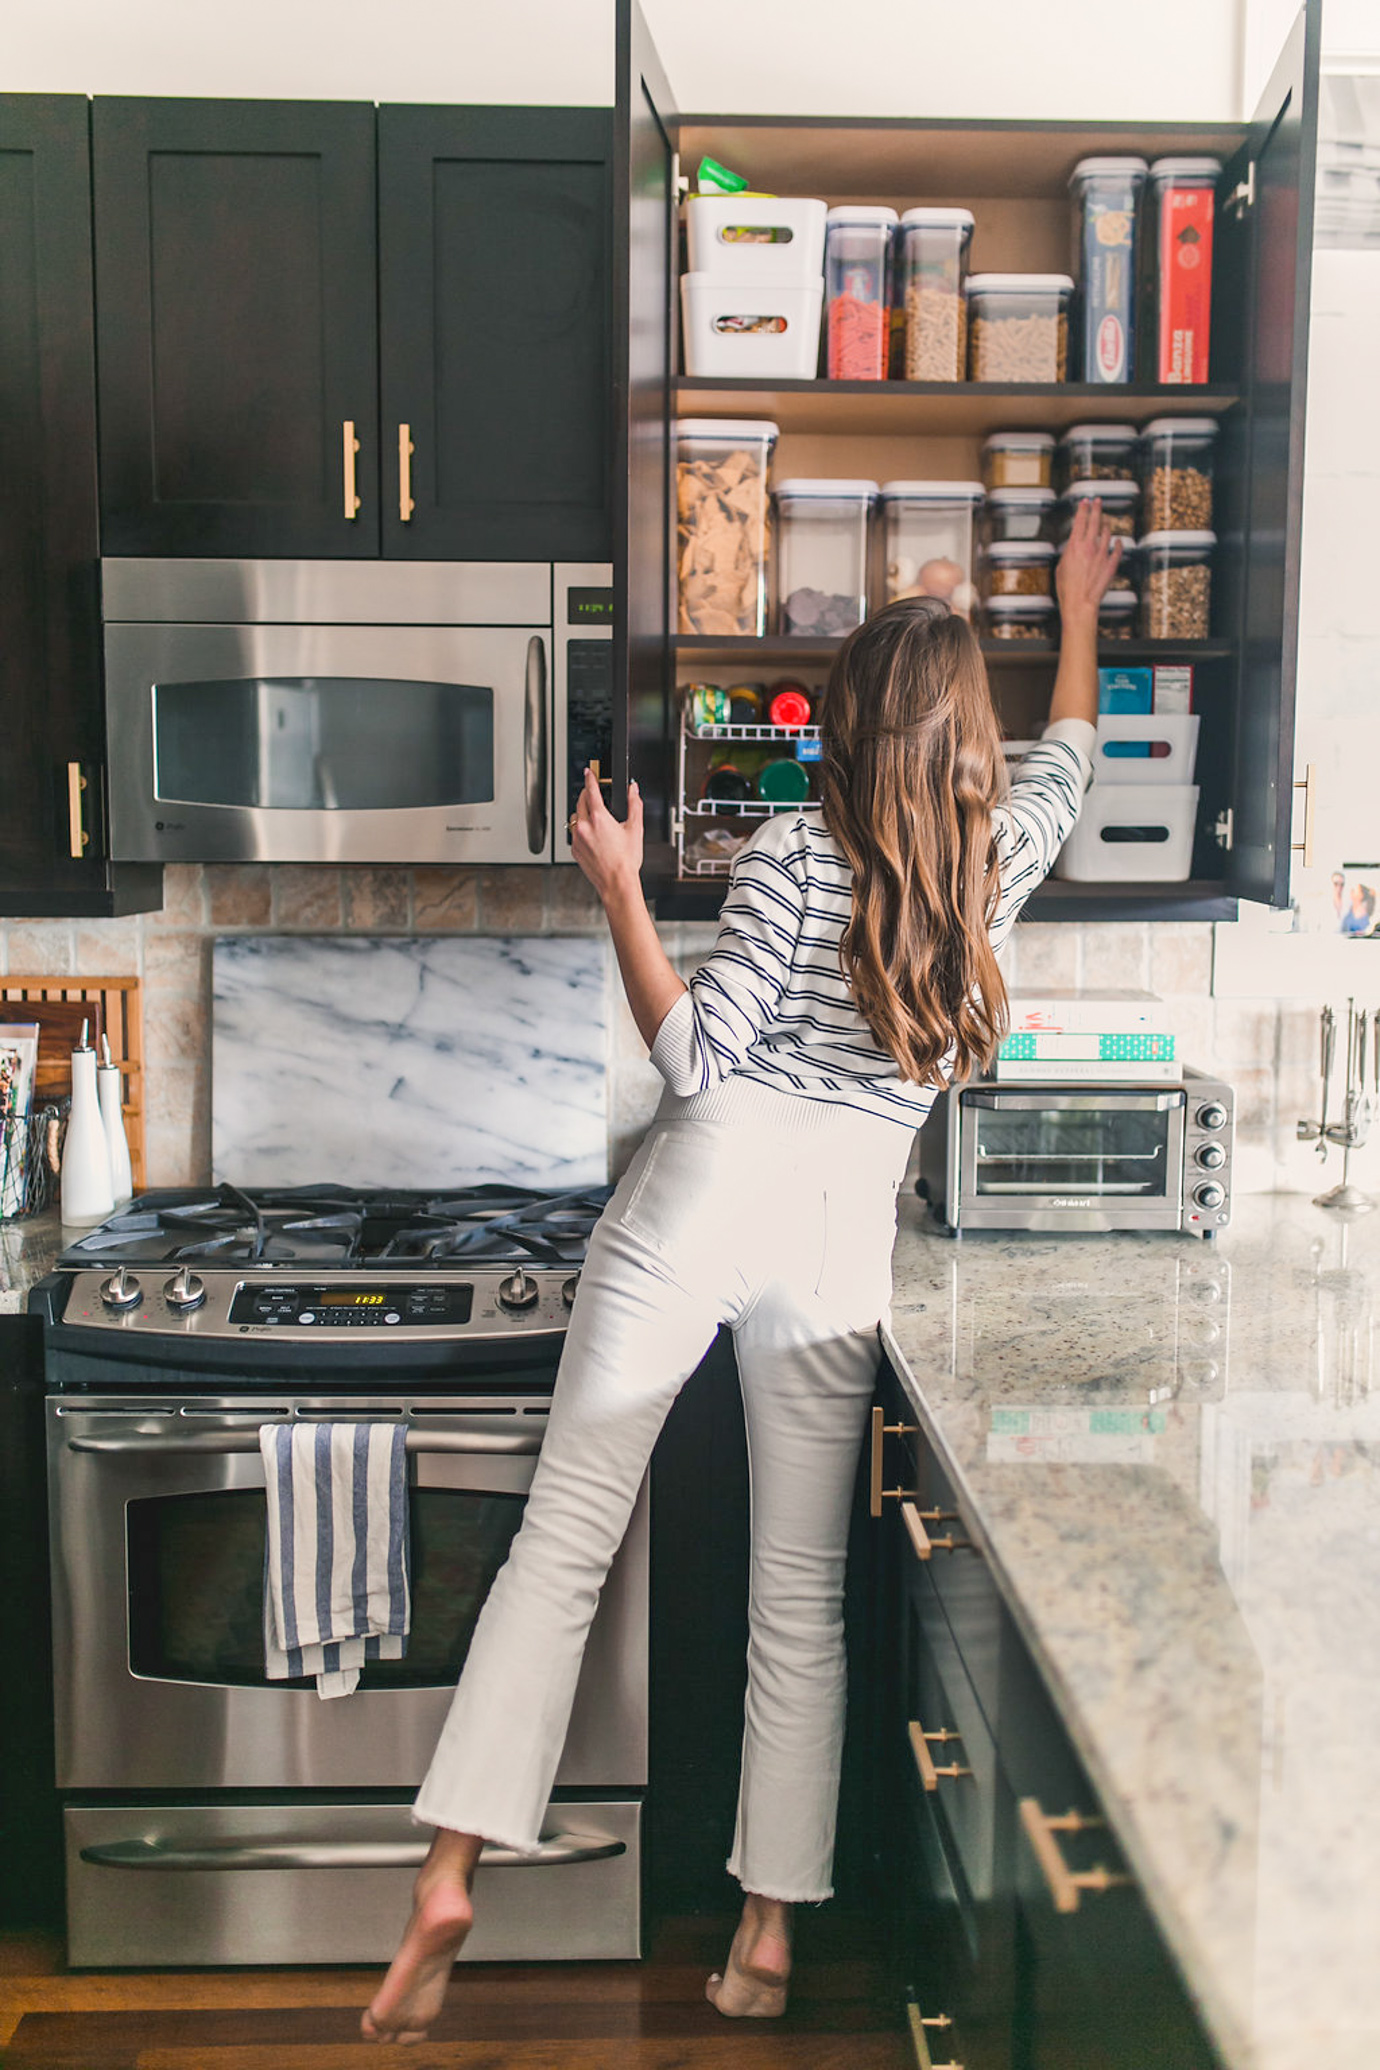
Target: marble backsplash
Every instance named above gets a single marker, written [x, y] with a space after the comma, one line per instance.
[1268, 1049]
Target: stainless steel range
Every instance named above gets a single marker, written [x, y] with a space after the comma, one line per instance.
[212, 1816]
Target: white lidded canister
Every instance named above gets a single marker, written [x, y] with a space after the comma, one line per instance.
[86, 1196]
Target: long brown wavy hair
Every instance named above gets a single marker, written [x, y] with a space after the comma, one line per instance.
[911, 768]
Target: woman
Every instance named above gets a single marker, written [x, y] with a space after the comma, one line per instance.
[854, 974]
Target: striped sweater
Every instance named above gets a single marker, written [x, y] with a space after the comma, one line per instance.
[771, 1003]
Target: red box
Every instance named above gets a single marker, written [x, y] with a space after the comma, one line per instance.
[1184, 269]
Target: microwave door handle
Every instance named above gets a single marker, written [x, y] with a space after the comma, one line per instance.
[480, 1438]
[534, 747]
[552, 1850]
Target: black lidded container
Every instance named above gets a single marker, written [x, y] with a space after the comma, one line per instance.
[1106, 195]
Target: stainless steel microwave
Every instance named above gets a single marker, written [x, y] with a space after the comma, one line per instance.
[352, 711]
[1080, 1157]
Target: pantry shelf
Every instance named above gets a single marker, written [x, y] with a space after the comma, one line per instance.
[942, 409]
[780, 648]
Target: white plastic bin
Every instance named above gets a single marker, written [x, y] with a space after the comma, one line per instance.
[1140, 748]
[1136, 833]
[750, 327]
[756, 237]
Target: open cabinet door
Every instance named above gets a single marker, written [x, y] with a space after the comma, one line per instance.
[1270, 188]
[644, 231]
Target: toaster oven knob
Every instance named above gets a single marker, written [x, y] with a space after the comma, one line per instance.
[568, 1289]
[122, 1290]
[1209, 1195]
[186, 1290]
[1213, 1115]
[1212, 1157]
[518, 1291]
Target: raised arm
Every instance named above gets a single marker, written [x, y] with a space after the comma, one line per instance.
[1087, 567]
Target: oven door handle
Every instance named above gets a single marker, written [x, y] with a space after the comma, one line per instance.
[490, 1437]
[553, 1850]
[1077, 1103]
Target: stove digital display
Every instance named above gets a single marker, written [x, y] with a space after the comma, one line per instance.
[333, 1300]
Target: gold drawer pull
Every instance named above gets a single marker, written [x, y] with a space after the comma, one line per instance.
[915, 1521]
[350, 446]
[881, 1430]
[406, 449]
[1066, 1885]
[78, 840]
[920, 2040]
[1304, 847]
[919, 1746]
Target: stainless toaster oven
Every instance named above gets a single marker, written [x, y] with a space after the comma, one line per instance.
[1080, 1157]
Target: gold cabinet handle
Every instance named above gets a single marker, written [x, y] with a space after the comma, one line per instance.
[924, 1760]
[920, 2040]
[881, 1430]
[78, 839]
[1304, 783]
[915, 1520]
[405, 451]
[1066, 1885]
[350, 445]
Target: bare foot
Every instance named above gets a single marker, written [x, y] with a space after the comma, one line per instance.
[414, 1990]
[753, 1986]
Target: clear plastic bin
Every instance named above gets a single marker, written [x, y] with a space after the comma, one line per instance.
[1018, 326]
[1019, 618]
[723, 524]
[1096, 453]
[1176, 585]
[1138, 833]
[857, 286]
[1116, 615]
[933, 246]
[1018, 460]
[1120, 506]
[1105, 194]
[928, 537]
[1182, 208]
[822, 555]
[1018, 514]
[756, 237]
[1018, 568]
[1176, 461]
[750, 329]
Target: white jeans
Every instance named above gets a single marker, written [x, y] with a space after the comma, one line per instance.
[776, 1216]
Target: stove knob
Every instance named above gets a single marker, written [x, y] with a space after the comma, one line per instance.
[187, 1290]
[1210, 1195]
[518, 1291]
[1212, 1115]
[122, 1290]
[568, 1289]
[1212, 1157]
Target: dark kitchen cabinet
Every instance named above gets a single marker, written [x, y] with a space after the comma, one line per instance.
[52, 763]
[236, 327]
[494, 235]
[1015, 177]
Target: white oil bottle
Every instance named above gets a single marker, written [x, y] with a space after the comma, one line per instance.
[86, 1190]
[109, 1087]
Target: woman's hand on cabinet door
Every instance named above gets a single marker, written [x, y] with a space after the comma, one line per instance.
[609, 851]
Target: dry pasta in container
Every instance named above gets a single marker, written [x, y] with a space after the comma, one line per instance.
[927, 538]
[1105, 193]
[1096, 452]
[822, 554]
[857, 283]
[1182, 198]
[1176, 457]
[1018, 326]
[1018, 618]
[1176, 585]
[1019, 514]
[1018, 568]
[933, 246]
[1018, 460]
[746, 329]
[756, 237]
[723, 526]
[1120, 506]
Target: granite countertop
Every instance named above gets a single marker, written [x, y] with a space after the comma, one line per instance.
[28, 1250]
[1171, 1453]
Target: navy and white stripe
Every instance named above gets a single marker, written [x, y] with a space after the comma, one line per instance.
[771, 1003]
[337, 1582]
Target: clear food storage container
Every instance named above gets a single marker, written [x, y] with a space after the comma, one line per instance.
[756, 237]
[746, 328]
[1116, 615]
[1096, 453]
[1018, 618]
[1019, 568]
[857, 284]
[1176, 585]
[927, 535]
[1182, 210]
[1018, 460]
[1105, 194]
[822, 554]
[933, 247]
[1120, 505]
[1018, 514]
[1176, 457]
[1018, 326]
[723, 524]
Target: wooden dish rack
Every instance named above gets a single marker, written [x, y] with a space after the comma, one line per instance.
[114, 1009]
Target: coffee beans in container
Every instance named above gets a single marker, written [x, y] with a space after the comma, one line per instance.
[1176, 457]
[1176, 585]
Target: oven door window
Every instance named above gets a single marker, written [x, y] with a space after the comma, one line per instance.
[1122, 1152]
[323, 743]
[196, 1585]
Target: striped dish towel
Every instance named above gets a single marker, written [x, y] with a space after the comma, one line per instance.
[337, 1586]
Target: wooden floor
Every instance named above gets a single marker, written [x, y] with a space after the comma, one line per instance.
[582, 2016]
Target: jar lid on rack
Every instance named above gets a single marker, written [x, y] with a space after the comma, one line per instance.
[1180, 427]
[1032, 550]
[862, 216]
[1189, 171]
[937, 219]
[1168, 541]
[932, 492]
[820, 489]
[1103, 491]
[1119, 602]
[1021, 499]
[753, 428]
[1020, 284]
[1019, 442]
[1096, 168]
[1098, 434]
[1020, 607]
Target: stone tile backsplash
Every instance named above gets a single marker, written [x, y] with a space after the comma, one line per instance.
[1266, 1048]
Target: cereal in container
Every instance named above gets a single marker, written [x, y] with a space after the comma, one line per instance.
[1018, 568]
[1120, 506]
[723, 530]
[1018, 618]
[1018, 460]
[1018, 326]
[1176, 469]
[933, 247]
[1096, 453]
[1116, 615]
[1176, 585]
[857, 279]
